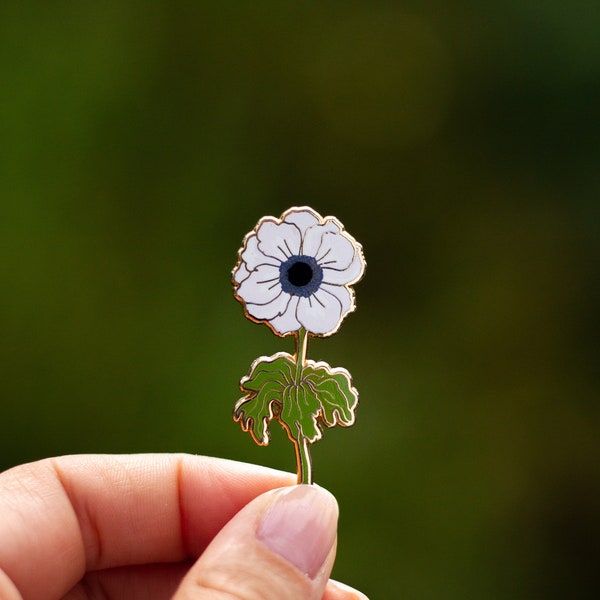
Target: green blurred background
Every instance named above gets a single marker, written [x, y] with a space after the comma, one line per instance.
[459, 142]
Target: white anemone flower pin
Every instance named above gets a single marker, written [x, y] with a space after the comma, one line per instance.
[295, 272]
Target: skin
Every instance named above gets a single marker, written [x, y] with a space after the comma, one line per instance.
[145, 526]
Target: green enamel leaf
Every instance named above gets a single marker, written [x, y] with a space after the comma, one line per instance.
[321, 397]
[300, 412]
[265, 386]
[276, 368]
[334, 389]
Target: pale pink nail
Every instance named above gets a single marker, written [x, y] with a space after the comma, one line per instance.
[301, 526]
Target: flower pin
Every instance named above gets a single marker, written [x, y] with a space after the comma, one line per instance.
[295, 275]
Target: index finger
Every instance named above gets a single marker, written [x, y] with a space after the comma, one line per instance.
[62, 517]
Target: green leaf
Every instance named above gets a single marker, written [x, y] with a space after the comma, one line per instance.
[334, 389]
[300, 412]
[265, 385]
[322, 396]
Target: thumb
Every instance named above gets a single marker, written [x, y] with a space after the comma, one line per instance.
[281, 546]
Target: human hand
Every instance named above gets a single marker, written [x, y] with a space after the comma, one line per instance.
[164, 526]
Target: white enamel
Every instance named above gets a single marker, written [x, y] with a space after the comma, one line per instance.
[353, 272]
[320, 313]
[329, 246]
[287, 322]
[279, 240]
[342, 293]
[261, 286]
[267, 312]
[252, 256]
[302, 220]
[240, 273]
[300, 231]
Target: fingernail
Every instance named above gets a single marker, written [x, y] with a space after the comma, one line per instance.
[301, 526]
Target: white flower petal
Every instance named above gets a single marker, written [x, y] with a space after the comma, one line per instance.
[320, 313]
[266, 312]
[351, 274]
[328, 246]
[261, 286]
[343, 294]
[240, 273]
[302, 219]
[253, 257]
[278, 240]
[287, 322]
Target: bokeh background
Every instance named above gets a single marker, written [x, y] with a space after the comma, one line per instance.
[459, 142]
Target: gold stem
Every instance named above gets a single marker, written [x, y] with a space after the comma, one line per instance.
[304, 461]
[301, 348]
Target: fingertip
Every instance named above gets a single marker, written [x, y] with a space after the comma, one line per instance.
[336, 590]
[281, 546]
[8, 591]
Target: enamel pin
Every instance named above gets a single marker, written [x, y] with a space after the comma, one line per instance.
[295, 275]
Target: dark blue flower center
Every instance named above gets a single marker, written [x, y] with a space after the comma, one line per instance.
[300, 275]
